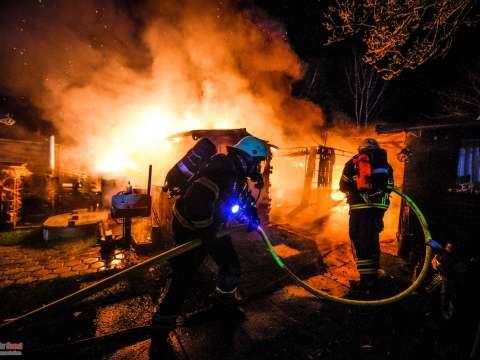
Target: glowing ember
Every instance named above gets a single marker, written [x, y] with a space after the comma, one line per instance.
[336, 194]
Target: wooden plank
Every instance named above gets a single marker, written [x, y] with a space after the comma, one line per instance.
[34, 154]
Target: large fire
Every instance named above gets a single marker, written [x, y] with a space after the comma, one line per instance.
[339, 198]
[146, 134]
[327, 216]
[115, 90]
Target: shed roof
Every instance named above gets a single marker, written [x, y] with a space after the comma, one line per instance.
[397, 128]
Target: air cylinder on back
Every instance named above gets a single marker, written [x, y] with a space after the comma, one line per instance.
[178, 176]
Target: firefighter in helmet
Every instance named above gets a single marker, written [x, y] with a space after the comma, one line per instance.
[367, 181]
[200, 212]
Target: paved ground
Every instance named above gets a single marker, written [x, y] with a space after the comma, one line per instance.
[21, 265]
[282, 320]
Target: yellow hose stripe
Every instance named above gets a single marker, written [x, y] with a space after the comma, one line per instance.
[368, 206]
[324, 295]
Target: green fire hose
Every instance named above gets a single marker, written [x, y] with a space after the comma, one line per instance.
[324, 295]
[69, 300]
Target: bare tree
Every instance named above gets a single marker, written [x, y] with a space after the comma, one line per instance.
[400, 34]
[367, 89]
[463, 102]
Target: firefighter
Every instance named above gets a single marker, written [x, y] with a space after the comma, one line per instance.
[367, 181]
[199, 213]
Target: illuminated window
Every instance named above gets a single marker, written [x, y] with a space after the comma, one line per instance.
[468, 167]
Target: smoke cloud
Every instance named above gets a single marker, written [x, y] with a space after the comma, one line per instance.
[117, 78]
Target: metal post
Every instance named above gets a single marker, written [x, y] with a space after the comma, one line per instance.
[309, 172]
[127, 230]
[51, 146]
[149, 186]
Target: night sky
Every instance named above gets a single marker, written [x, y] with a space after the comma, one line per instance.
[411, 98]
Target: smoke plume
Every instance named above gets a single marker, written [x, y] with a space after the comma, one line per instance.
[117, 78]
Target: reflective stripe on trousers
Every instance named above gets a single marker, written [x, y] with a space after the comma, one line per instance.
[365, 225]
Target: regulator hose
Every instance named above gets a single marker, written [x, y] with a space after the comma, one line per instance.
[324, 295]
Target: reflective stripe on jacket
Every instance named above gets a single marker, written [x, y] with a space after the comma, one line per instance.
[201, 205]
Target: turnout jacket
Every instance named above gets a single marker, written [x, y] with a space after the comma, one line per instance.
[381, 180]
[204, 204]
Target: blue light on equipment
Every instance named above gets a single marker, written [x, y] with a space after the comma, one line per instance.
[235, 209]
[435, 245]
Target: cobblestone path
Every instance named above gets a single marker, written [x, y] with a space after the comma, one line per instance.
[21, 265]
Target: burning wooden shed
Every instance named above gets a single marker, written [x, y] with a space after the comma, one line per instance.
[33, 185]
[318, 180]
[442, 175]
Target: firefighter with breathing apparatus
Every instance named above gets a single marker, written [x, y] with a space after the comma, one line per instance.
[367, 180]
[205, 203]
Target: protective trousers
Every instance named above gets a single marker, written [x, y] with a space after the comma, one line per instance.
[185, 266]
[364, 229]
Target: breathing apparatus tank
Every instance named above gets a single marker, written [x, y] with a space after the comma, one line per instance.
[372, 168]
[179, 175]
[364, 181]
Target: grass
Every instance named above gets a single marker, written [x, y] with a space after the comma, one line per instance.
[16, 237]
[34, 238]
[74, 245]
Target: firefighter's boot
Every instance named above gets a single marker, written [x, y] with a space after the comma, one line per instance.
[219, 305]
[366, 287]
[160, 329]
[227, 304]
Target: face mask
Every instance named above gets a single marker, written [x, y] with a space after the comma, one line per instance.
[257, 174]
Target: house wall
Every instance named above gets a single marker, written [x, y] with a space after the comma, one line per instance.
[430, 179]
[34, 154]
